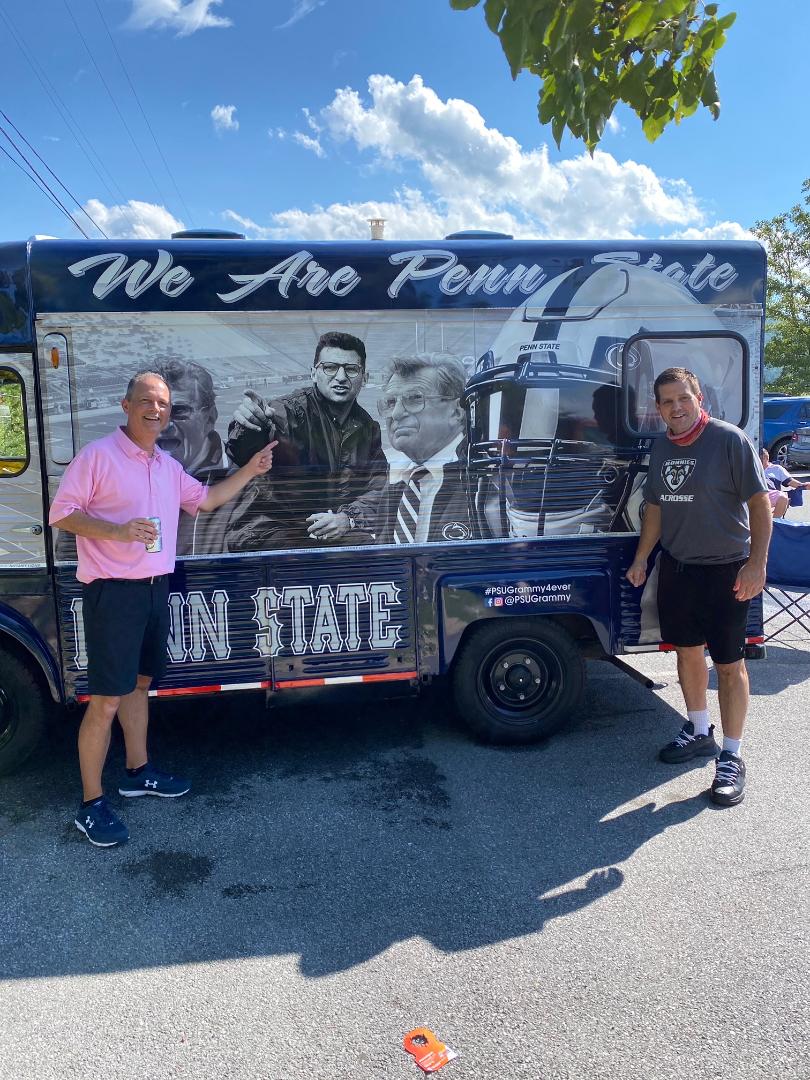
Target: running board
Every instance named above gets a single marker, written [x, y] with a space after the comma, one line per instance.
[648, 684]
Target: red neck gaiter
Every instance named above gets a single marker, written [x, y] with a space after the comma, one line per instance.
[689, 436]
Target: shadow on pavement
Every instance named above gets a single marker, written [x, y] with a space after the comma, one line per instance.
[331, 834]
[784, 666]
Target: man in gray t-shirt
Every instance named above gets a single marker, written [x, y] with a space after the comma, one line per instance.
[707, 503]
[703, 491]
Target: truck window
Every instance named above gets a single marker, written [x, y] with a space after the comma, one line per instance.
[54, 366]
[719, 360]
[13, 430]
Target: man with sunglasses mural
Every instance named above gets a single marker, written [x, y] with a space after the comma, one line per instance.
[330, 468]
[426, 499]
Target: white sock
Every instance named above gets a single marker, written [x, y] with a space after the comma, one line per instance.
[732, 745]
[700, 721]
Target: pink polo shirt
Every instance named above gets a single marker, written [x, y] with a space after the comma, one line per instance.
[115, 480]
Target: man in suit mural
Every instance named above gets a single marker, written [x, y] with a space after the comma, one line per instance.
[426, 498]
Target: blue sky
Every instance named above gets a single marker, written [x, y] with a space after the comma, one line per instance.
[302, 118]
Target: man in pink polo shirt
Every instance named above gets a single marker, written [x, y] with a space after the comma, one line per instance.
[110, 496]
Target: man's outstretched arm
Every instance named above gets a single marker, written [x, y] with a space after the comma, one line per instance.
[225, 490]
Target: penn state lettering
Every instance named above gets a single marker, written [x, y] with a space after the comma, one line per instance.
[326, 618]
[297, 619]
[302, 271]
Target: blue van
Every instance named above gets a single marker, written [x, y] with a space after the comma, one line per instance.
[781, 416]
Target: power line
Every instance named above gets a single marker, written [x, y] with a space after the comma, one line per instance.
[111, 96]
[143, 113]
[37, 180]
[61, 183]
[70, 123]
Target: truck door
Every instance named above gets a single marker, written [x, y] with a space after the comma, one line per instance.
[347, 617]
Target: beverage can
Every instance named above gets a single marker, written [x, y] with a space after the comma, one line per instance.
[157, 543]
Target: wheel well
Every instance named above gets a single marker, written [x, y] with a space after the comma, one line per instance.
[14, 648]
[579, 627]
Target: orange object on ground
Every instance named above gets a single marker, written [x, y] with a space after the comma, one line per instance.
[429, 1053]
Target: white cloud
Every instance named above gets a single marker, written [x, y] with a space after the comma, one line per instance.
[613, 126]
[309, 143]
[409, 215]
[222, 115]
[134, 220]
[184, 16]
[301, 8]
[723, 230]
[465, 161]
[463, 173]
[311, 121]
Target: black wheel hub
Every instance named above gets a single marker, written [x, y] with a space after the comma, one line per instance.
[516, 679]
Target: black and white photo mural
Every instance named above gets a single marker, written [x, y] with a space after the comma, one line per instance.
[401, 427]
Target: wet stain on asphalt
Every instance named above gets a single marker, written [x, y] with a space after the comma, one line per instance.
[409, 781]
[436, 823]
[171, 873]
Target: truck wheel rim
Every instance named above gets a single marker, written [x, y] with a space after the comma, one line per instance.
[518, 677]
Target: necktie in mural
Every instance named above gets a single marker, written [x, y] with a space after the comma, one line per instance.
[408, 509]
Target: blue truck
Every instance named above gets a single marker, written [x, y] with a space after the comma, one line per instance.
[505, 570]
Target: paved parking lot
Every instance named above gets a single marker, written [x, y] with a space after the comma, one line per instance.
[341, 875]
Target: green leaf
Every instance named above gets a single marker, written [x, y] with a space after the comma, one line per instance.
[581, 17]
[464, 5]
[553, 27]
[711, 9]
[670, 9]
[558, 129]
[654, 124]
[493, 13]
[513, 37]
[640, 18]
[709, 95]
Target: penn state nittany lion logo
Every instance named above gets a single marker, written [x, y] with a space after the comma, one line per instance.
[456, 530]
[676, 471]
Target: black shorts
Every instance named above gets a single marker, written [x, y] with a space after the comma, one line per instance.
[126, 625]
[697, 606]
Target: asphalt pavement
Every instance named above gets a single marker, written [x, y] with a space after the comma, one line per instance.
[343, 874]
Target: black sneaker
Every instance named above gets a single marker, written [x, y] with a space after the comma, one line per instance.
[687, 745]
[729, 780]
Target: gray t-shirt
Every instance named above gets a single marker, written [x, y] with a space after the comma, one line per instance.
[703, 492]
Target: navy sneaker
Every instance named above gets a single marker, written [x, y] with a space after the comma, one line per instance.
[100, 825]
[729, 780]
[687, 745]
[152, 781]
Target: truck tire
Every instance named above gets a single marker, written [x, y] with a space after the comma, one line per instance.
[517, 680]
[23, 712]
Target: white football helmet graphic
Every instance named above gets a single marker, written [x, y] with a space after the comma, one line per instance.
[556, 442]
